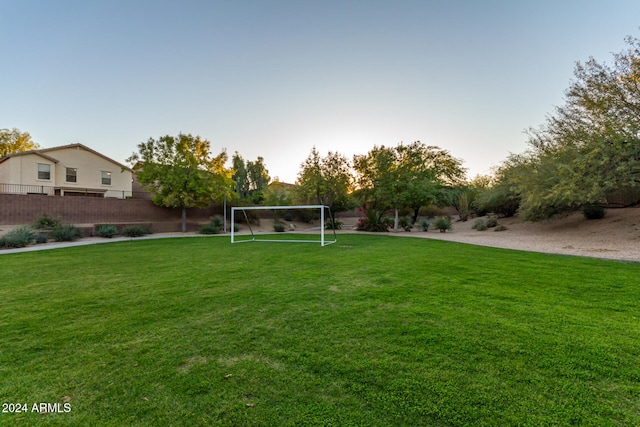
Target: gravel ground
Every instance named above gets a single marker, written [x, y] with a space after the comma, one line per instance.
[617, 236]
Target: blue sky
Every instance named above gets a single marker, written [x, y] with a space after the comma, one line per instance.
[274, 78]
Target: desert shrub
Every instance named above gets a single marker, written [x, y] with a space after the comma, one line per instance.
[66, 233]
[135, 231]
[500, 199]
[106, 230]
[333, 225]
[18, 238]
[492, 221]
[443, 224]
[42, 238]
[278, 227]
[463, 205]
[500, 228]
[374, 221]
[236, 228]
[480, 225]
[217, 221]
[46, 222]
[593, 211]
[209, 229]
[287, 216]
[306, 215]
[425, 224]
[214, 227]
[405, 223]
[431, 211]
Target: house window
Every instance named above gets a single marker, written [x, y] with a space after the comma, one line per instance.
[106, 178]
[44, 171]
[72, 175]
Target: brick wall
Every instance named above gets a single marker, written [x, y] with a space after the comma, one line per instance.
[16, 209]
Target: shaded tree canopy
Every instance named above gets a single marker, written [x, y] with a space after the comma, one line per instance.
[591, 144]
[13, 141]
[181, 172]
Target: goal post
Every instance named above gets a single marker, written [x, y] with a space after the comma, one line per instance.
[323, 212]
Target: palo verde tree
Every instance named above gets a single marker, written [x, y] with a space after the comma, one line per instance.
[379, 182]
[326, 181]
[13, 141]
[181, 173]
[406, 176]
[591, 144]
[433, 174]
[500, 193]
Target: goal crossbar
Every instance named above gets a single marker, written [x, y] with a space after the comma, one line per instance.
[323, 241]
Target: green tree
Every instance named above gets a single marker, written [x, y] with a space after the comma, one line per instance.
[501, 193]
[259, 179]
[326, 181]
[251, 178]
[181, 172]
[13, 141]
[379, 181]
[278, 194]
[589, 146]
[240, 176]
[407, 176]
[433, 175]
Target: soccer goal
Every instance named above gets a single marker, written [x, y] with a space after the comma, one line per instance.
[292, 224]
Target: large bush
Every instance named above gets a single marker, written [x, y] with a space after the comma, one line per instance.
[443, 224]
[18, 238]
[135, 231]
[499, 199]
[217, 221]
[106, 230]
[214, 227]
[46, 222]
[373, 221]
[66, 233]
[209, 229]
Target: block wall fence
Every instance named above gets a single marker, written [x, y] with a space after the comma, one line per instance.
[18, 209]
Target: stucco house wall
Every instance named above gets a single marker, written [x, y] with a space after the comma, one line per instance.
[71, 169]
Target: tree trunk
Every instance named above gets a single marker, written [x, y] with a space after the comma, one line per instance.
[396, 222]
[184, 220]
[416, 212]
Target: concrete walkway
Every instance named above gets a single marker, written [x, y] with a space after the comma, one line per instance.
[99, 240]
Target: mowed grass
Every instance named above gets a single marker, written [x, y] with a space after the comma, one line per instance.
[370, 331]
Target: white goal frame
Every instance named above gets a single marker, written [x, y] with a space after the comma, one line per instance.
[323, 241]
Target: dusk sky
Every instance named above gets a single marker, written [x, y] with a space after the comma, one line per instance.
[273, 78]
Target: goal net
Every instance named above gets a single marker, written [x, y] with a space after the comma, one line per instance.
[294, 224]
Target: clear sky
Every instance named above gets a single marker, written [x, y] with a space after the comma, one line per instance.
[273, 78]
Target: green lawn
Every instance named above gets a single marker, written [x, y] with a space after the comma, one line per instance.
[370, 331]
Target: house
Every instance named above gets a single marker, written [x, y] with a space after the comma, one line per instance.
[68, 170]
